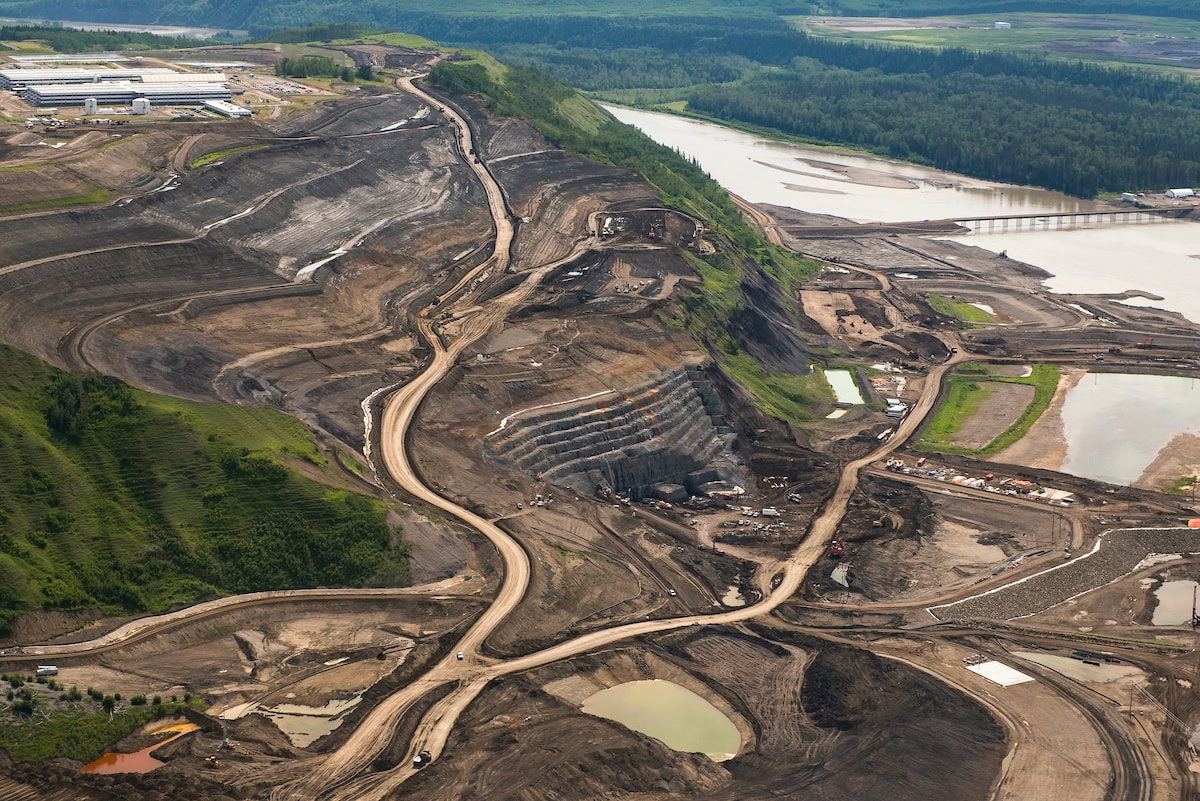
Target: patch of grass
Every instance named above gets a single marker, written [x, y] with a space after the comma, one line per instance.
[28, 167]
[965, 394]
[98, 195]
[1183, 486]
[218, 155]
[82, 733]
[432, 517]
[959, 310]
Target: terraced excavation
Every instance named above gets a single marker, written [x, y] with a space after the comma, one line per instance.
[662, 437]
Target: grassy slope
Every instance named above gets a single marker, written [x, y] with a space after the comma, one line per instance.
[571, 121]
[132, 501]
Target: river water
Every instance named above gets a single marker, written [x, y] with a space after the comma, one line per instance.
[1162, 258]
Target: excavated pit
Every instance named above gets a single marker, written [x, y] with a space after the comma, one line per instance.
[666, 438]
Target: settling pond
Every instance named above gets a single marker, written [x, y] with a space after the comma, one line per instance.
[844, 388]
[674, 715]
[1174, 603]
[1115, 424]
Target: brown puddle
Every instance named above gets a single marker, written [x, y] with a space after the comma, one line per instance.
[138, 761]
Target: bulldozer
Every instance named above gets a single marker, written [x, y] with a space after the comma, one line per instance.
[212, 762]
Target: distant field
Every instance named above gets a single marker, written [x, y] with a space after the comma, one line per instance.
[1134, 39]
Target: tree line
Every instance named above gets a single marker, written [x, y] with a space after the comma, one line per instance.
[322, 67]
[67, 40]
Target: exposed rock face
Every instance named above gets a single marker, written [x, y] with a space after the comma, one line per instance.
[669, 430]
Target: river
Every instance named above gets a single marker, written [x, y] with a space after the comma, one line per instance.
[1162, 258]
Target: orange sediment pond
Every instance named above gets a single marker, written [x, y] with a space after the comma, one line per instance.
[138, 761]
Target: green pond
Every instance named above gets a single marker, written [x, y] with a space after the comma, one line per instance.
[674, 715]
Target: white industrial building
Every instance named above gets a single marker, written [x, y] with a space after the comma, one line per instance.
[40, 76]
[227, 109]
[123, 93]
[70, 58]
[186, 77]
[1181, 193]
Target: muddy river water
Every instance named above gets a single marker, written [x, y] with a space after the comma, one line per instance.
[1162, 258]
[670, 713]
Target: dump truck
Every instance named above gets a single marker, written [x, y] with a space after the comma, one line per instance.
[422, 759]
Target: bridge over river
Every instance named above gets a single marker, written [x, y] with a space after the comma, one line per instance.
[1049, 221]
[1070, 219]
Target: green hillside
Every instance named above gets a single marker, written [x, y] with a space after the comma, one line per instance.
[119, 499]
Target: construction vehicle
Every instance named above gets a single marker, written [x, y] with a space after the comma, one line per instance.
[212, 762]
[421, 760]
[1145, 343]
[837, 548]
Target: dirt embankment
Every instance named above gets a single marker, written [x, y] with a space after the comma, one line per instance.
[1179, 458]
[1044, 447]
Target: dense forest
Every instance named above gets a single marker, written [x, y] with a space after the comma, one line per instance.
[66, 40]
[124, 501]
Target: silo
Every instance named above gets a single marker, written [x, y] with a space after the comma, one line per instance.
[89, 107]
[141, 105]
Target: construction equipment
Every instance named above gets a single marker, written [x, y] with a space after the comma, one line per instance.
[422, 759]
[837, 548]
[212, 762]
[1145, 343]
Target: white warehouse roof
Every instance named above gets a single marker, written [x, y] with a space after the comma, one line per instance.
[123, 92]
[186, 77]
[227, 109]
[50, 75]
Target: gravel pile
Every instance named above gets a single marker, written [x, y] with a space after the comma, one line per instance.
[1118, 553]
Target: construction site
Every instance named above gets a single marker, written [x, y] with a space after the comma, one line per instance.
[483, 329]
